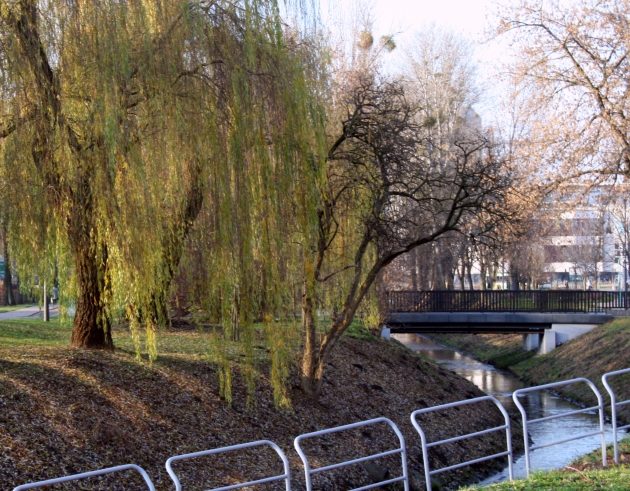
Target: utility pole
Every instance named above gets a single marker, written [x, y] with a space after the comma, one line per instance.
[625, 277]
[46, 307]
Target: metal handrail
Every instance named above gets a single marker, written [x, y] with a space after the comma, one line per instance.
[504, 300]
[426, 445]
[614, 404]
[87, 475]
[286, 476]
[600, 407]
[402, 450]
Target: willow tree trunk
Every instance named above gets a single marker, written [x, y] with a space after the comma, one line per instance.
[155, 313]
[315, 354]
[311, 382]
[92, 325]
[8, 276]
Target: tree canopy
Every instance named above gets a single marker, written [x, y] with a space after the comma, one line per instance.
[573, 67]
[203, 142]
[121, 121]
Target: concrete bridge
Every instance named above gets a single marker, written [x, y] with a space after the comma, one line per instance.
[544, 318]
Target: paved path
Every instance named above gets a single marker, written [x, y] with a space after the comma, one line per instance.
[34, 311]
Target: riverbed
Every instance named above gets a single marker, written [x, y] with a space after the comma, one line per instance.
[502, 384]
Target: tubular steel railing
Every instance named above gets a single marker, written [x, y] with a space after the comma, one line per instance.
[526, 422]
[506, 301]
[402, 450]
[88, 475]
[427, 445]
[614, 404]
[286, 476]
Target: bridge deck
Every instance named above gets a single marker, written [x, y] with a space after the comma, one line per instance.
[483, 322]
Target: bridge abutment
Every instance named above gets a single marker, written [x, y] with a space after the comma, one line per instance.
[531, 341]
[548, 342]
[566, 332]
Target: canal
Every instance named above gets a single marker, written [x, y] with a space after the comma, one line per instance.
[501, 384]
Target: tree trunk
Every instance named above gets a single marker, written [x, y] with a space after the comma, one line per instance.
[92, 325]
[415, 270]
[484, 274]
[462, 276]
[311, 368]
[156, 314]
[8, 276]
[469, 276]
[514, 280]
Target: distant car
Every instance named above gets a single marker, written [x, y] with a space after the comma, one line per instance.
[545, 286]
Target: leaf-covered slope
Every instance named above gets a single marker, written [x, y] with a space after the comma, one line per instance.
[64, 411]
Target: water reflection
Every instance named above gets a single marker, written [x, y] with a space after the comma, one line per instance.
[501, 385]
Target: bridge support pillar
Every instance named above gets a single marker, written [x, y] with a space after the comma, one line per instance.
[531, 341]
[548, 342]
[386, 332]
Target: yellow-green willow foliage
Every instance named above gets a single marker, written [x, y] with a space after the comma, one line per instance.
[132, 126]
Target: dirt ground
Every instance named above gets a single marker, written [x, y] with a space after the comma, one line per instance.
[64, 411]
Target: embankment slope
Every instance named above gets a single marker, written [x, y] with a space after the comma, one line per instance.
[606, 348]
[64, 411]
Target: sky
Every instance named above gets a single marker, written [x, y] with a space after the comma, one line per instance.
[469, 18]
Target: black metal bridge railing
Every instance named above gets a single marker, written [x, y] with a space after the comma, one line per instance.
[506, 301]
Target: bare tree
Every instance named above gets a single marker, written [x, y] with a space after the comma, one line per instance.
[384, 197]
[620, 225]
[573, 67]
[440, 81]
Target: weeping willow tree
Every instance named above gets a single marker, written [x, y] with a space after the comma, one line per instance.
[122, 121]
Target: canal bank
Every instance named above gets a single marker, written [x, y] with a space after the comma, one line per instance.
[604, 349]
[502, 384]
[67, 410]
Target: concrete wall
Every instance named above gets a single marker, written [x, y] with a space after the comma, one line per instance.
[554, 337]
[566, 332]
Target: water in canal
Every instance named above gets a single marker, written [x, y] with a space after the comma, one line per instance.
[501, 385]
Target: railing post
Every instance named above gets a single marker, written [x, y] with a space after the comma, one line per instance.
[526, 421]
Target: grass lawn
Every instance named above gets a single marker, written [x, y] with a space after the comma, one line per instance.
[585, 473]
[617, 478]
[34, 332]
[192, 341]
[24, 333]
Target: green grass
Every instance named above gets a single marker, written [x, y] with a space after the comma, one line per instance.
[34, 332]
[616, 478]
[56, 333]
[584, 473]
[358, 330]
[594, 458]
[191, 343]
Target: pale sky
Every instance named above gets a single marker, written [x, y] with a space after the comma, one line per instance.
[465, 16]
[469, 18]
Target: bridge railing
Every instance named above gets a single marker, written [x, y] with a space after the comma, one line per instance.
[506, 301]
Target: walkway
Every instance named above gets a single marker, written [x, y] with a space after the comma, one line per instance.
[34, 311]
